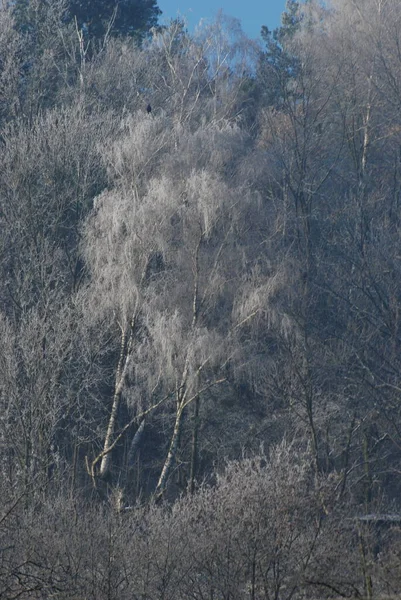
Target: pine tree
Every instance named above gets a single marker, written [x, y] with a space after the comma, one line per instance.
[277, 65]
[96, 17]
[126, 17]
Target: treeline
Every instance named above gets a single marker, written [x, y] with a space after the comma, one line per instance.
[200, 304]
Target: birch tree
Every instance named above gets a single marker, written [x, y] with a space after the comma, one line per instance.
[165, 252]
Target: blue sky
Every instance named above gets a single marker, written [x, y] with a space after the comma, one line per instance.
[252, 13]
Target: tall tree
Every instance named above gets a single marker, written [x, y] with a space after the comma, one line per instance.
[278, 63]
[165, 254]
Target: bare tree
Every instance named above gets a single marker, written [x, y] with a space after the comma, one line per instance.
[49, 175]
[10, 47]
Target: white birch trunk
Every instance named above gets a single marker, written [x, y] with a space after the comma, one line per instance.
[172, 453]
[105, 465]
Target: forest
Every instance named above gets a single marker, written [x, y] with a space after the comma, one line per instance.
[200, 303]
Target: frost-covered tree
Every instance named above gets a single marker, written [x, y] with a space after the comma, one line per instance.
[164, 252]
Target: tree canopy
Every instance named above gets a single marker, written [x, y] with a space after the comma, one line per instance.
[96, 18]
[200, 291]
[122, 18]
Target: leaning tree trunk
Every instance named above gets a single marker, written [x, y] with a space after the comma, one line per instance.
[123, 362]
[172, 452]
[194, 449]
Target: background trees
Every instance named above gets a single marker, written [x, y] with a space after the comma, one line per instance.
[199, 305]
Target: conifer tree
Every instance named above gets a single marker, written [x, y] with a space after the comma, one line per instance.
[127, 17]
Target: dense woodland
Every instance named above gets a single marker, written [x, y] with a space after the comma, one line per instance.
[200, 303]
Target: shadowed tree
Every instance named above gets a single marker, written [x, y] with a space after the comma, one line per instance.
[96, 18]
